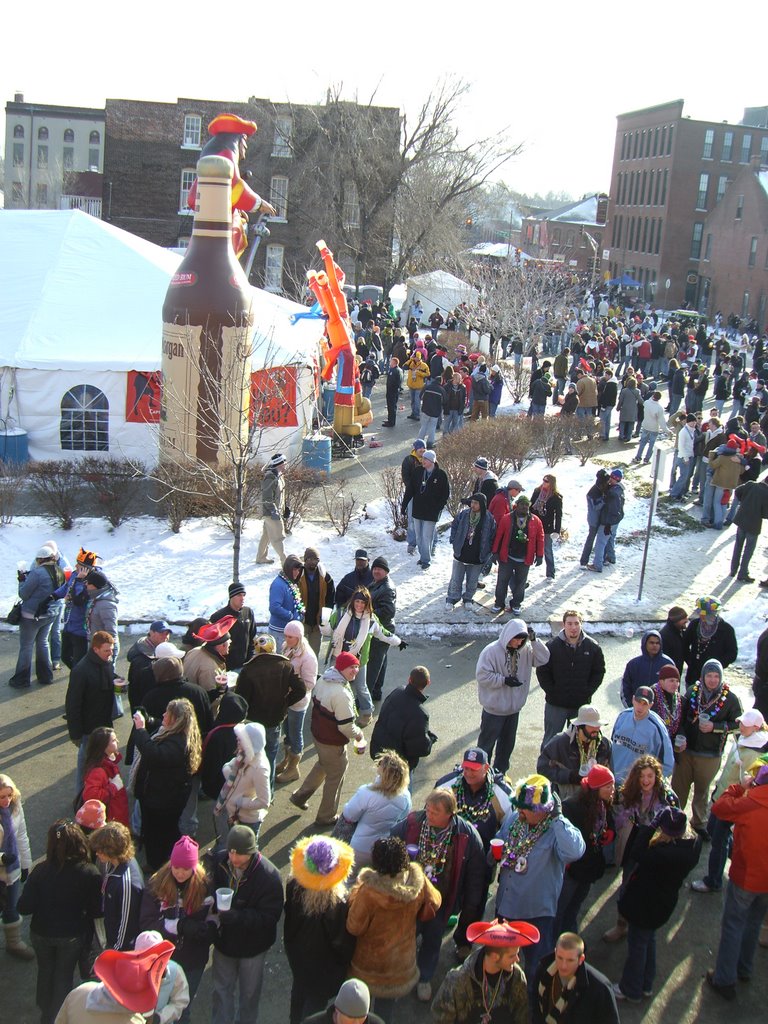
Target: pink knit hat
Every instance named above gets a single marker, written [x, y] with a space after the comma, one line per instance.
[185, 854]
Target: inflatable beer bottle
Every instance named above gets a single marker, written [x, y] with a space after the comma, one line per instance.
[207, 334]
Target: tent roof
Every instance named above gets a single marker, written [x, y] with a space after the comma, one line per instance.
[80, 293]
[437, 279]
[584, 211]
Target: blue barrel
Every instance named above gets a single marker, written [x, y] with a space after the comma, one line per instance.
[14, 446]
[316, 452]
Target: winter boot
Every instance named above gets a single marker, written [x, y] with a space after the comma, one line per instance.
[618, 932]
[14, 944]
[282, 765]
[291, 772]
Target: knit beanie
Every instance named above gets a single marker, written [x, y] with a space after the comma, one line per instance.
[185, 854]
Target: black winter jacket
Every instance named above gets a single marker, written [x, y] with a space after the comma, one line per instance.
[250, 927]
[429, 503]
[753, 507]
[723, 647]
[552, 513]
[591, 865]
[591, 1001]
[161, 695]
[163, 780]
[572, 674]
[673, 645]
[270, 685]
[220, 745]
[242, 633]
[432, 399]
[384, 598]
[403, 726]
[64, 901]
[650, 895]
[90, 696]
[318, 946]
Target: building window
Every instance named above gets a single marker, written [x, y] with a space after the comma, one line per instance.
[722, 185]
[69, 135]
[647, 140]
[41, 196]
[350, 214]
[18, 131]
[698, 231]
[655, 149]
[187, 178]
[664, 188]
[278, 196]
[283, 140]
[273, 271]
[556, 237]
[68, 158]
[42, 157]
[635, 144]
[739, 207]
[645, 234]
[94, 139]
[746, 148]
[84, 420]
[642, 188]
[764, 151]
[623, 147]
[42, 134]
[669, 140]
[18, 154]
[752, 253]
[727, 146]
[182, 242]
[656, 189]
[709, 143]
[663, 144]
[631, 239]
[701, 197]
[745, 305]
[651, 178]
[93, 159]
[192, 130]
[569, 239]
[652, 228]
[658, 236]
[708, 247]
[17, 193]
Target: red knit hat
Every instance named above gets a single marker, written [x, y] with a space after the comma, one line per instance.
[346, 660]
[597, 776]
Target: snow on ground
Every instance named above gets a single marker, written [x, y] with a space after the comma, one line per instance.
[178, 576]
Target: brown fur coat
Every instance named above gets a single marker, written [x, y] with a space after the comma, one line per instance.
[383, 912]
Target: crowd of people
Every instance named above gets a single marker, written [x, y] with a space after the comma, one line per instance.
[126, 899]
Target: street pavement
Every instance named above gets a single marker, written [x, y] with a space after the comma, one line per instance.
[36, 752]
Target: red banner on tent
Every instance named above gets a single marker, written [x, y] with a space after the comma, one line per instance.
[142, 397]
[273, 397]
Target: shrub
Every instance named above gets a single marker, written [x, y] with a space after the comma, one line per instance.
[118, 485]
[301, 483]
[177, 491]
[338, 505]
[556, 435]
[392, 489]
[55, 486]
[13, 476]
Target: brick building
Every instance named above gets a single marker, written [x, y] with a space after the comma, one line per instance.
[733, 270]
[46, 148]
[298, 160]
[571, 234]
[669, 173]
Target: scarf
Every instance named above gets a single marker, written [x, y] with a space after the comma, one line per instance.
[587, 750]
[554, 996]
[541, 500]
[229, 785]
[669, 708]
[341, 629]
[9, 846]
[474, 520]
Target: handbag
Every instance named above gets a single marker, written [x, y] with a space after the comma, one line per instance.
[344, 829]
[13, 618]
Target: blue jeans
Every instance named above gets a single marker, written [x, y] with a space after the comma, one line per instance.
[376, 667]
[416, 403]
[743, 549]
[674, 403]
[55, 639]
[646, 437]
[410, 532]
[428, 428]
[532, 954]
[537, 410]
[603, 543]
[731, 513]
[555, 720]
[549, 556]
[499, 731]
[271, 747]
[189, 821]
[640, 966]
[586, 551]
[329, 398]
[605, 423]
[431, 940]
[720, 833]
[293, 729]
[572, 895]
[10, 913]
[514, 574]
[460, 572]
[425, 534]
[362, 693]
[81, 763]
[453, 421]
[625, 429]
[229, 975]
[743, 914]
[685, 467]
[33, 636]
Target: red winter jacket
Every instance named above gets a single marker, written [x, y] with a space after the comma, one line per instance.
[499, 505]
[104, 783]
[748, 809]
[535, 539]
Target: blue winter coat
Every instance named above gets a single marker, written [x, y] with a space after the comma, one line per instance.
[282, 604]
[612, 511]
[460, 528]
[78, 593]
[33, 590]
[643, 670]
[497, 385]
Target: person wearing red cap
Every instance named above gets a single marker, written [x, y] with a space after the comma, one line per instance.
[203, 664]
[591, 812]
[333, 727]
[490, 984]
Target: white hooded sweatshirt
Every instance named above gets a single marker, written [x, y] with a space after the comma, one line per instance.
[497, 661]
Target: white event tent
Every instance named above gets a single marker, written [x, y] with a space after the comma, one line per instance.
[80, 341]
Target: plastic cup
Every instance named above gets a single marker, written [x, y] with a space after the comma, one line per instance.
[325, 616]
[497, 848]
[680, 742]
[360, 746]
[704, 717]
[224, 898]
[413, 850]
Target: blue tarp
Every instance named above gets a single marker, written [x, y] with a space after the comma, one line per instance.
[626, 281]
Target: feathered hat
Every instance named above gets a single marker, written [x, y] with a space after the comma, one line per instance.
[321, 862]
[533, 794]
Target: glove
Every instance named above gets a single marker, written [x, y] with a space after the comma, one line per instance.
[512, 681]
[540, 560]
[228, 916]
[607, 530]
[531, 633]
[402, 645]
[24, 875]
[286, 513]
[274, 515]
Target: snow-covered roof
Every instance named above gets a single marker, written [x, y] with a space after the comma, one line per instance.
[582, 212]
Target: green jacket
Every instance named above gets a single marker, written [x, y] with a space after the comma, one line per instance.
[370, 626]
[459, 999]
